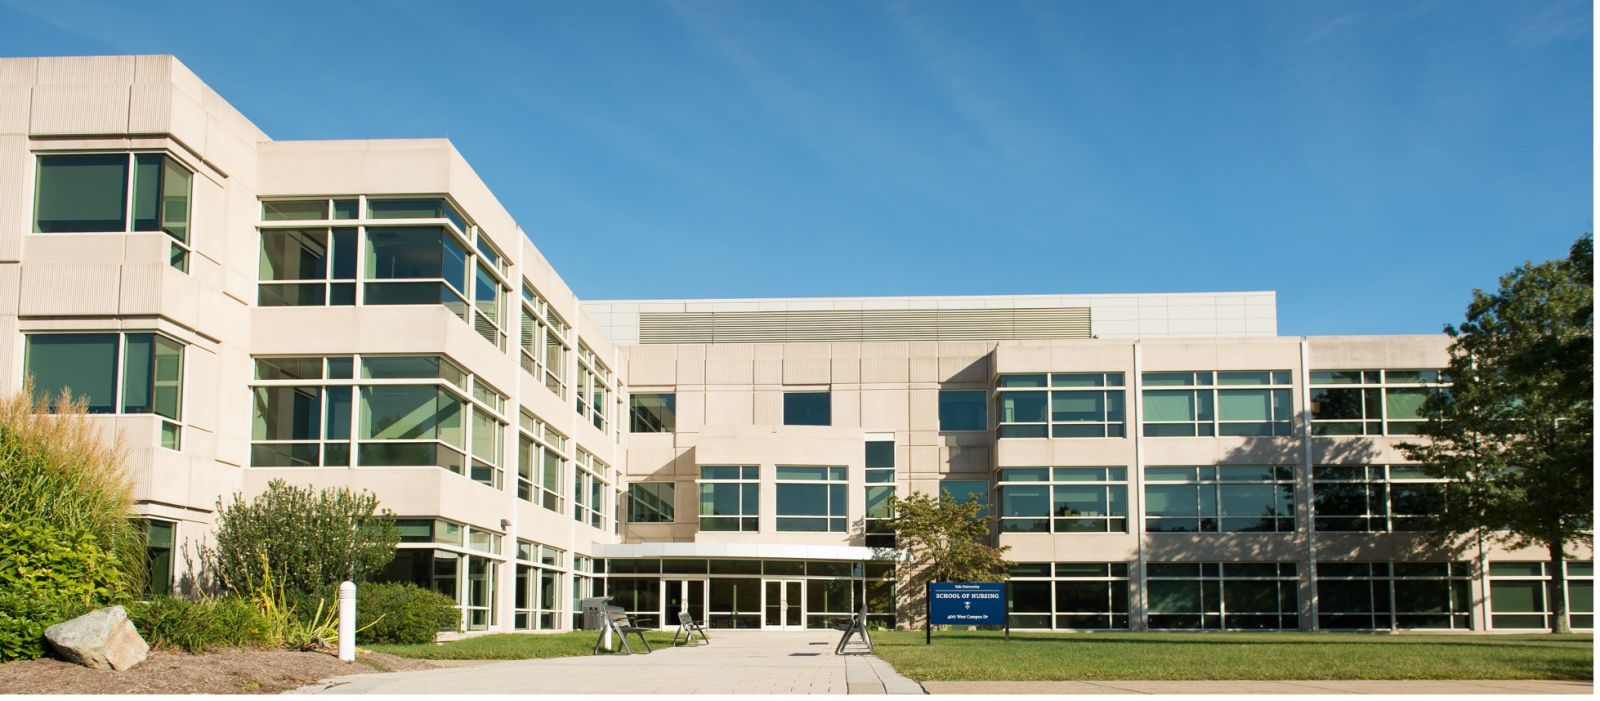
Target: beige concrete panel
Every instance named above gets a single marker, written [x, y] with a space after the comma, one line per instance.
[652, 366]
[142, 293]
[547, 405]
[1028, 547]
[768, 363]
[846, 407]
[232, 155]
[652, 463]
[210, 236]
[965, 361]
[806, 363]
[1372, 352]
[1223, 451]
[19, 71]
[691, 410]
[1022, 356]
[1092, 356]
[789, 445]
[1024, 453]
[1373, 450]
[729, 408]
[76, 249]
[1336, 547]
[168, 70]
[923, 364]
[730, 364]
[885, 370]
[200, 389]
[16, 104]
[16, 184]
[1109, 547]
[1092, 452]
[966, 458]
[406, 166]
[845, 362]
[11, 350]
[1223, 547]
[915, 437]
[924, 459]
[68, 70]
[885, 410]
[69, 289]
[691, 364]
[79, 109]
[160, 108]
[767, 407]
[924, 409]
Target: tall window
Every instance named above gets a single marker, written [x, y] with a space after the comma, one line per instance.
[1519, 595]
[651, 502]
[590, 485]
[812, 499]
[1255, 403]
[540, 463]
[158, 542]
[1394, 596]
[807, 409]
[93, 193]
[1228, 595]
[963, 410]
[1080, 595]
[1371, 402]
[461, 562]
[538, 593]
[1375, 498]
[728, 498]
[1062, 405]
[594, 387]
[880, 487]
[90, 365]
[1064, 500]
[544, 341]
[1226, 498]
[652, 412]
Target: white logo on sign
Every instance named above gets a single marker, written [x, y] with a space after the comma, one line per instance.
[969, 605]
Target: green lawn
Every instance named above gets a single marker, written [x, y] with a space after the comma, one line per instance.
[984, 655]
[515, 646]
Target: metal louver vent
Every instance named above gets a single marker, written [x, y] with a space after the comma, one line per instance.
[864, 325]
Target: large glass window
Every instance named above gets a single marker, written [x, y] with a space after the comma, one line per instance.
[1062, 405]
[1228, 595]
[964, 491]
[1519, 595]
[416, 265]
[652, 412]
[594, 387]
[1080, 595]
[1224, 498]
[963, 410]
[544, 346]
[1394, 596]
[1063, 500]
[880, 488]
[461, 562]
[1250, 403]
[540, 463]
[147, 378]
[651, 502]
[807, 409]
[1371, 402]
[811, 499]
[537, 602]
[307, 267]
[91, 193]
[158, 543]
[1375, 498]
[591, 482]
[728, 498]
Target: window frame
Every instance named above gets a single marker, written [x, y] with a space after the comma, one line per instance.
[169, 430]
[1372, 383]
[748, 518]
[835, 483]
[1106, 478]
[1207, 389]
[1048, 387]
[181, 246]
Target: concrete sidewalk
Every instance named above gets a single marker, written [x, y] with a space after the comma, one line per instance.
[1354, 686]
[736, 662]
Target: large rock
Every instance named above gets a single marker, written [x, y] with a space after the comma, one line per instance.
[103, 639]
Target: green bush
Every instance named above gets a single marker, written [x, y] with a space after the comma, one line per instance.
[399, 612]
[196, 626]
[49, 574]
[303, 540]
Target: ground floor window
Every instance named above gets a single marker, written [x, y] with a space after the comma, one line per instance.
[1392, 596]
[537, 599]
[749, 593]
[469, 579]
[1519, 595]
[159, 536]
[1070, 595]
[1226, 595]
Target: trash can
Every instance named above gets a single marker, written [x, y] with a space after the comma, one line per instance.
[594, 612]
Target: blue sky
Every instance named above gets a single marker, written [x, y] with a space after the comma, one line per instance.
[1371, 161]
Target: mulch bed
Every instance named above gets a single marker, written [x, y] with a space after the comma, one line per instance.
[222, 672]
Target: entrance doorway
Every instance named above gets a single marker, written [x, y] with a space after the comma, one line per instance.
[682, 595]
[782, 600]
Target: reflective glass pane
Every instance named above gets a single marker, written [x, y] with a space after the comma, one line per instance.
[84, 364]
[81, 193]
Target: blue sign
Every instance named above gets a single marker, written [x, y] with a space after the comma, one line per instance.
[962, 603]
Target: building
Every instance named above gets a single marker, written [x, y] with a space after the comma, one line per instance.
[366, 314]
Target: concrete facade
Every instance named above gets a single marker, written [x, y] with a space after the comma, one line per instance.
[534, 353]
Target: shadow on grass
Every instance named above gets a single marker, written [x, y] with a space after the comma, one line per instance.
[1267, 639]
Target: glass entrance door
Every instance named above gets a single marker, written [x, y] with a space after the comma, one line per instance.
[782, 602]
[682, 595]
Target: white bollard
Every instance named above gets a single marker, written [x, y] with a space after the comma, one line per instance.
[347, 621]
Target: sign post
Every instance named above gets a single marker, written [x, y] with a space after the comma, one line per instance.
[927, 615]
[968, 603]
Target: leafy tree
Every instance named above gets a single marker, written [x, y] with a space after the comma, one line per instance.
[303, 539]
[1516, 428]
[945, 541]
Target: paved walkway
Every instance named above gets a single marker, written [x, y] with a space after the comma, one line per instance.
[736, 662]
[1417, 686]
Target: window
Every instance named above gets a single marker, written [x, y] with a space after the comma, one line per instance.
[461, 562]
[1063, 500]
[88, 366]
[489, 302]
[310, 210]
[1086, 595]
[650, 502]
[307, 267]
[158, 542]
[1062, 405]
[1394, 596]
[1225, 498]
[540, 463]
[1375, 498]
[544, 345]
[880, 487]
[964, 491]
[416, 208]
[594, 387]
[1228, 595]
[1256, 403]
[90, 193]
[807, 409]
[728, 498]
[416, 265]
[811, 499]
[1519, 595]
[1371, 402]
[963, 410]
[537, 599]
[590, 482]
[653, 413]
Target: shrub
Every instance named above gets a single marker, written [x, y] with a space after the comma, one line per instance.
[47, 575]
[402, 613]
[302, 540]
[199, 625]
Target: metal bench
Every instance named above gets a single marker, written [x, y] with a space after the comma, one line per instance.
[617, 622]
[687, 627]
